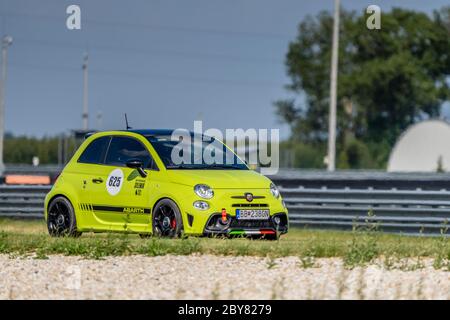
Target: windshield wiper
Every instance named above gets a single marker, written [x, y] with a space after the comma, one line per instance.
[181, 166]
[224, 166]
[204, 166]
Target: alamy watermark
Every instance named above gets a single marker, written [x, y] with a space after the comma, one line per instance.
[373, 22]
[73, 21]
[256, 147]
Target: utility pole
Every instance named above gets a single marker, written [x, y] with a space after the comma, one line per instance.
[85, 115]
[60, 149]
[333, 91]
[6, 42]
[99, 120]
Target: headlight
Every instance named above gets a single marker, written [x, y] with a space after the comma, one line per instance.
[204, 191]
[274, 190]
[201, 205]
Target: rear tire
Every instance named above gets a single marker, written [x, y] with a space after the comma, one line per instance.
[61, 219]
[166, 220]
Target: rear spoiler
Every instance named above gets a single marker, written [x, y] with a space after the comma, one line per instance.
[87, 135]
[83, 134]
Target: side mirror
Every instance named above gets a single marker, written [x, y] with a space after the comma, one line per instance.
[138, 165]
[134, 163]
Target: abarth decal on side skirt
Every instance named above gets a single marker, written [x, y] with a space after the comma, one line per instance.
[122, 209]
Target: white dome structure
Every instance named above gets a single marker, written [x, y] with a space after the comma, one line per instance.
[423, 147]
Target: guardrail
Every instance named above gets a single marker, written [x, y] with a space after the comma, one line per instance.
[405, 211]
[322, 200]
[47, 169]
[413, 203]
[22, 201]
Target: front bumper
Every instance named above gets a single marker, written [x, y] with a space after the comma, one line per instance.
[234, 227]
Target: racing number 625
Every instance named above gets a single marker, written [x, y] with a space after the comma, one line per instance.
[114, 181]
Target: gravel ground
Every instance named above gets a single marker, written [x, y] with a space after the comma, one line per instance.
[214, 277]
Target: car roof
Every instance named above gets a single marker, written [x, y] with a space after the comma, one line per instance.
[143, 132]
[152, 132]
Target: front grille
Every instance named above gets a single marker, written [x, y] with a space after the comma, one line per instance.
[215, 224]
[244, 197]
[250, 205]
[251, 224]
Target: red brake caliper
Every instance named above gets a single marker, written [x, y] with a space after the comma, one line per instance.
[173, 223]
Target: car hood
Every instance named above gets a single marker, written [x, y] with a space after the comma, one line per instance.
[220, 179]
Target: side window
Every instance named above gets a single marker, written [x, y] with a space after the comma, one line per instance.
[123, 149]
[95, 152]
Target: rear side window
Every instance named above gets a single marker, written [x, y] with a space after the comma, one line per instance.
[95, 152]
[123, 149]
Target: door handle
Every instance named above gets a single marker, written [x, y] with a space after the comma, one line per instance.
[98, 180]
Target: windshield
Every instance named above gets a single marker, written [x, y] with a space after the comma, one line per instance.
[195, 153]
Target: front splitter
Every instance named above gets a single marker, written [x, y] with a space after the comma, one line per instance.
[242, 232]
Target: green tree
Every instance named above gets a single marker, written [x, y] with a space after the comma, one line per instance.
[388, 78]
[22, 149]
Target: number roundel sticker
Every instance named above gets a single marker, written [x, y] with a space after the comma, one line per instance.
[114, 182]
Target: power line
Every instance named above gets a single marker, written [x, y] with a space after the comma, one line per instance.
[178, 54]
[162, 77]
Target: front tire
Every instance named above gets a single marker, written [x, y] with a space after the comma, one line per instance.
[61, 220]
[167, 221]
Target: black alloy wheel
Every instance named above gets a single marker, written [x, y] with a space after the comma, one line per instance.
[61, 220]
[167, 220]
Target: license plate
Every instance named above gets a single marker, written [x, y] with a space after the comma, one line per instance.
[250, 214]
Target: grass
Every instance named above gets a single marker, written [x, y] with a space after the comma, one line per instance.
[21, 237]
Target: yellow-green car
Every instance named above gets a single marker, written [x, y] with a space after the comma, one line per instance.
[128, 181]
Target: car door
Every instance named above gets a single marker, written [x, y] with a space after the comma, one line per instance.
[88, 164]
[119, 194]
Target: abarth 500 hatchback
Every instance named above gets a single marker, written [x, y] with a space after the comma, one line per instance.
[128, 181]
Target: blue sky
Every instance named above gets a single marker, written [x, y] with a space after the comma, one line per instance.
[164, 62]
